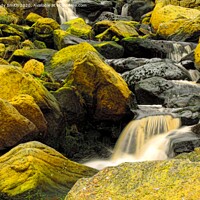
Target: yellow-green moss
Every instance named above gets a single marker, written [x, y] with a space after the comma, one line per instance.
[34, 165]
[34, 67]
[197, 57]
[71, 53]
[163, 180]
[118, 29]
[79, 28]
[162, 14]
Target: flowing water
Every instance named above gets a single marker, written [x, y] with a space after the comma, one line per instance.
[65, 10]
[149, 138]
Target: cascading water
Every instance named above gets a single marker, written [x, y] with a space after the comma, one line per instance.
[142, 140]
[65, 10]
[138, 132]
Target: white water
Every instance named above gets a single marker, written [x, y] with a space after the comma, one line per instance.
[65, 10]
[141, 140]
[124, 11]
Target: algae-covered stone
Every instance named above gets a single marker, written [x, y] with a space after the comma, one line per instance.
[116, 29]
[171, 179]
[32, 18]
[192, 156]
[44, 28]
[14, 126]
[197, 57]
[162, 14]
[6, 17]
[106, 94]
[27, 107]
[69, 55]
[34, 67]
[79, 28]
[27, 44]
[2, 49]
[36, 171]
[14, 82]
[175, 22]
[3, 62]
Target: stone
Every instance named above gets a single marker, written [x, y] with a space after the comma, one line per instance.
[170, 179]
[43, 30]
[23, 55]
[32, 18]
[175, 22]
[34, 67]
[35, 171]
[109, 49]
[27, 107]
[6, 17]
[78, 27]
[164, 68]
[15, 127]
[106, 94]
[15, 82]
[116, 30]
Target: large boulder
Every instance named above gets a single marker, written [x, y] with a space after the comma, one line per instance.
[35, 171]
[15, 82]
[170, 20]
[171, 179]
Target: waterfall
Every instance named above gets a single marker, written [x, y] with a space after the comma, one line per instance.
[65, 10]
[124, 11]
[142, 140]
[137, 132]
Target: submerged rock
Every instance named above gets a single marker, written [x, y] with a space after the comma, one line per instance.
[172, 179]
[35, 171]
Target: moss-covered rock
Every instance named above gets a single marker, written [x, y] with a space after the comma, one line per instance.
[193, 156]
[197, 57]
[34, 67]
[27, 44]
[115, 30]
[6, 17]
[172, 179]
[44, 28]
[14, 126]
[2, 50]
[3, 62]
[175, 22]
[36, 171]
[14, 82]
[79, 28]
[27, 107]
[68, 55]
[32, 18]
[106, 94]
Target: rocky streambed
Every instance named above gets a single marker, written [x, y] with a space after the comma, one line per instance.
[67, 91]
